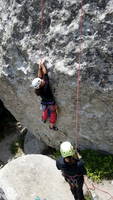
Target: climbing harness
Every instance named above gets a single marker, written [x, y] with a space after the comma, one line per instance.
[71, 179]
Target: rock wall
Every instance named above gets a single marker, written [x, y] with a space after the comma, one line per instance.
[22, 44]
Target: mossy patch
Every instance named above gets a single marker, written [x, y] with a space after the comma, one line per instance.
[18, 145]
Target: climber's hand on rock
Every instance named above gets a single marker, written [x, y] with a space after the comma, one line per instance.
[40, 64]
[42, 61]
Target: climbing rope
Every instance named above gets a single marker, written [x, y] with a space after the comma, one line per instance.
[42, 7]
[93, 188]
[42, 15]
[78, 99]
[78, 79]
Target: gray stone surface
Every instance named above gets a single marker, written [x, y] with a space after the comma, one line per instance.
[32, 145]
[2, 195]
[33, 175]
[21, 47]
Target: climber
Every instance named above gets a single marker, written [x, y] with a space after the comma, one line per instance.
[72, 167]
[42, 89]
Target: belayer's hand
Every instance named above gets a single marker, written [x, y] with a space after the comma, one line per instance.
[78, 149]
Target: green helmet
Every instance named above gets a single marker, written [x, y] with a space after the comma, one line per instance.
[66, 149]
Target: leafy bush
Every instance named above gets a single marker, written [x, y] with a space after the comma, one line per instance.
[55, 154]
[99, 166]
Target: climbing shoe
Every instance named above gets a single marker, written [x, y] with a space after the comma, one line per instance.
[54, 128]
[44, 121]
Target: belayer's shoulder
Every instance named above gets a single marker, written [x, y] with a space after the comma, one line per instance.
[81, 162]
[59, 160]
[59, 163]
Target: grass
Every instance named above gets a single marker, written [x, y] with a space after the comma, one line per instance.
[99, 166]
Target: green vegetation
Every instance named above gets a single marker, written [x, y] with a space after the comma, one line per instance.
[17, 145]
[88, 196]
[14, 147]
[99, 166]
[55, 154]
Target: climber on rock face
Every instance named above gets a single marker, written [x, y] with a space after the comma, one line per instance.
[73, 170]
[42, 89]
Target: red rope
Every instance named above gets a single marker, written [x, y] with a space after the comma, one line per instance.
[94, 187]
[78, 98]
[102, 191]
[42, 7]
[78, 80]
[42, 14]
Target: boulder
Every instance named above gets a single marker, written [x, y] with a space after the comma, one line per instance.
[22, 44]
[32, 145]
[32, 176]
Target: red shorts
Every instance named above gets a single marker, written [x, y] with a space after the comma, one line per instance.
[49, 111]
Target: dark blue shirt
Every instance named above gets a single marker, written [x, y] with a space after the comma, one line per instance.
[76, 168]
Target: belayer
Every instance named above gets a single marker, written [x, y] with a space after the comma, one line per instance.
[73, 170]
[42, 89]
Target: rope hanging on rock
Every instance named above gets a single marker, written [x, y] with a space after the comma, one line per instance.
[93, 188]
[42, 7]
[78, 99]
[78, 79]
[42, 15]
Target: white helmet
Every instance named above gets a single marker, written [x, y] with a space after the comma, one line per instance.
[36, 83]
[66, 149]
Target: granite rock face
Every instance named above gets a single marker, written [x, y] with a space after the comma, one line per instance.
[33, 176]
[23, 41]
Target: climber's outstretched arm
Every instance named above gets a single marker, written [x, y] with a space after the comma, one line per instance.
[42, 69]
[40, 74]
